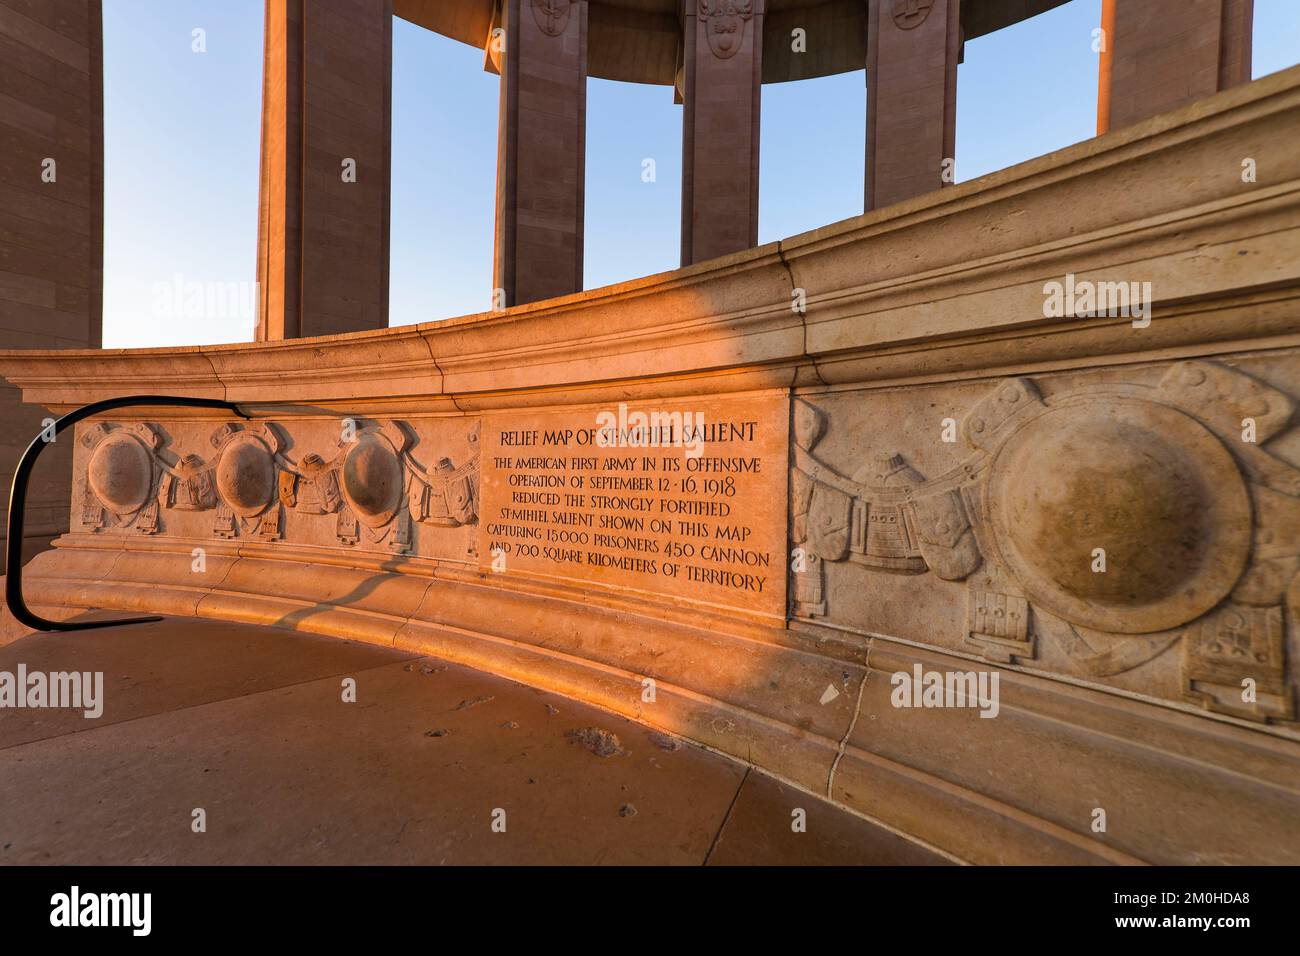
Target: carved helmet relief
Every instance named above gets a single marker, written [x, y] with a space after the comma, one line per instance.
[910, 14]
[725, 24]
[446, 495]
[552, 16]
[190, 485]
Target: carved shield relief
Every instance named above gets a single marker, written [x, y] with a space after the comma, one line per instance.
[724, 25]
[552, 16]
[121, 477]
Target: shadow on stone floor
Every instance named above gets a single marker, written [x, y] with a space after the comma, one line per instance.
[433, 763]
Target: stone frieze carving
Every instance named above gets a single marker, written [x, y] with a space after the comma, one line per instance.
[371, 483]
[239, 481]
[1115, 520]
[724, 24]
[372, 480]
[377, 487]
[312, 486]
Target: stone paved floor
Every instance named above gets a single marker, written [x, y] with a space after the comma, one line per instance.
[248, 723]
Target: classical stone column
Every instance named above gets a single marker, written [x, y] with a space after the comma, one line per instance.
[51, 221]
[1161, 54]
[322, 243]
[541, 154]
[912, 51]
[722, 71]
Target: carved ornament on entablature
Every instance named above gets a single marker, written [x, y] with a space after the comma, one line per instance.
[552, 16]
[909, 14]
[725, 25]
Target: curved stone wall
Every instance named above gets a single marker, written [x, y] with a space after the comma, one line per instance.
[737, 501]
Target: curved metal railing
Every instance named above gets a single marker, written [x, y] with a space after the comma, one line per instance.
[18, 501]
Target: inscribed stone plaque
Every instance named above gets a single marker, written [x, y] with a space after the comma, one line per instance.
[681, 497]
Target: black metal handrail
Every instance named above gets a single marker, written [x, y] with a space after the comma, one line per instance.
[18, 501]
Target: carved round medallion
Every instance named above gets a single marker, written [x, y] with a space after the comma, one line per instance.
[372, 480]
[120, 473]
[246, 476]
[1146, 484]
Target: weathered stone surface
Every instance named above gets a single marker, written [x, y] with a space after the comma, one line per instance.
[720, 85]
[120, 472]
[1162, 499]
[913, 47]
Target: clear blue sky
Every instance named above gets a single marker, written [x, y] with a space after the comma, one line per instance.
[181, 132]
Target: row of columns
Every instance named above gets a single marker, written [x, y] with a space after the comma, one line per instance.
[323, 221]
[323, 241]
